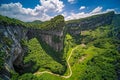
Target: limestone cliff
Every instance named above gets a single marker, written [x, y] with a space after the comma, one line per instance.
[75, 26]
[54, 38]
[10, 40]
[52, 35]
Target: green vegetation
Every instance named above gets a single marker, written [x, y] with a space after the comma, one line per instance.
[3, 56]
[68, 44]
[41, 60]
[56, 55]
[95, 58]
[23, 42]
[55, 23]
[28, 76]
[91, 17]
[7, 41]
[99, 59]
[102, 66]
[10, 21]
[58, 21]
[56, 39]
[35, 22]
[2, 59]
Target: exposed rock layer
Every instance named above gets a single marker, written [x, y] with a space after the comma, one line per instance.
[75, 26]
[10, 38]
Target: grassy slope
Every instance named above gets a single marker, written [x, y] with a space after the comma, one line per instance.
[10, 21]
[55, 23]
[41, 59]
[101, 56]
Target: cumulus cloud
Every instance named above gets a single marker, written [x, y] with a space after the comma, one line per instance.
[97, 10]
[110, 10]
[71, 1]
[43, 12]
[40, 12]
[82, 7]
[77, 15]
[54, 5]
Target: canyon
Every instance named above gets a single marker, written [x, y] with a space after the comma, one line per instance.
[12, 38]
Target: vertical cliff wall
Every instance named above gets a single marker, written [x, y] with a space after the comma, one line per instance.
[53, 35]
[76, 26]
[54, 38]
[10, 41]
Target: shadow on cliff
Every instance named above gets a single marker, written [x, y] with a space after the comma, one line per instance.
[57, 56]
[32, 67]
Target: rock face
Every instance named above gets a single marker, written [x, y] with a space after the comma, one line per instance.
[53, 35]
[54, 38]
[75, 26]
[15, 35]
[10, 39]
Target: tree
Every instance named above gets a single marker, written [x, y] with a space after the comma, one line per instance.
[2, 59]
[28, 76]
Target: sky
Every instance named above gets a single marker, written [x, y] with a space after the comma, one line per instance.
[30, 10]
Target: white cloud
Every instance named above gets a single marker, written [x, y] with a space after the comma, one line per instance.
[40, 12]
[110, 10]
[82, 7]
[71, 1]
[15, 10]
[97, 10]
[43, 11]
[54, 5]
[64, 14]
[79, 15]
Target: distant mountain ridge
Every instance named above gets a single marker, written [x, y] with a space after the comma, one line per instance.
[36, 22]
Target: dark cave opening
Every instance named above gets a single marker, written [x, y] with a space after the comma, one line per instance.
[18, 64]
[19, 69]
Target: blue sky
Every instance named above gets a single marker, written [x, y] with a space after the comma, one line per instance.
[29, 10]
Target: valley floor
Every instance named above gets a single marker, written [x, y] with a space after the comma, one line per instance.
[69, 67]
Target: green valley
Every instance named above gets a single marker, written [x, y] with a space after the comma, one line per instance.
[83, 49]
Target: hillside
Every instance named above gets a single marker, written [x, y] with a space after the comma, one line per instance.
[83, 49]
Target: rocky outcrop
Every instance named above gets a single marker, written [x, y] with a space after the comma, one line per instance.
[75, 26]
[10, 39]
[54, 38]
[53, 35]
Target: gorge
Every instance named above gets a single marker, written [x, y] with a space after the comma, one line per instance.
[16, 39]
